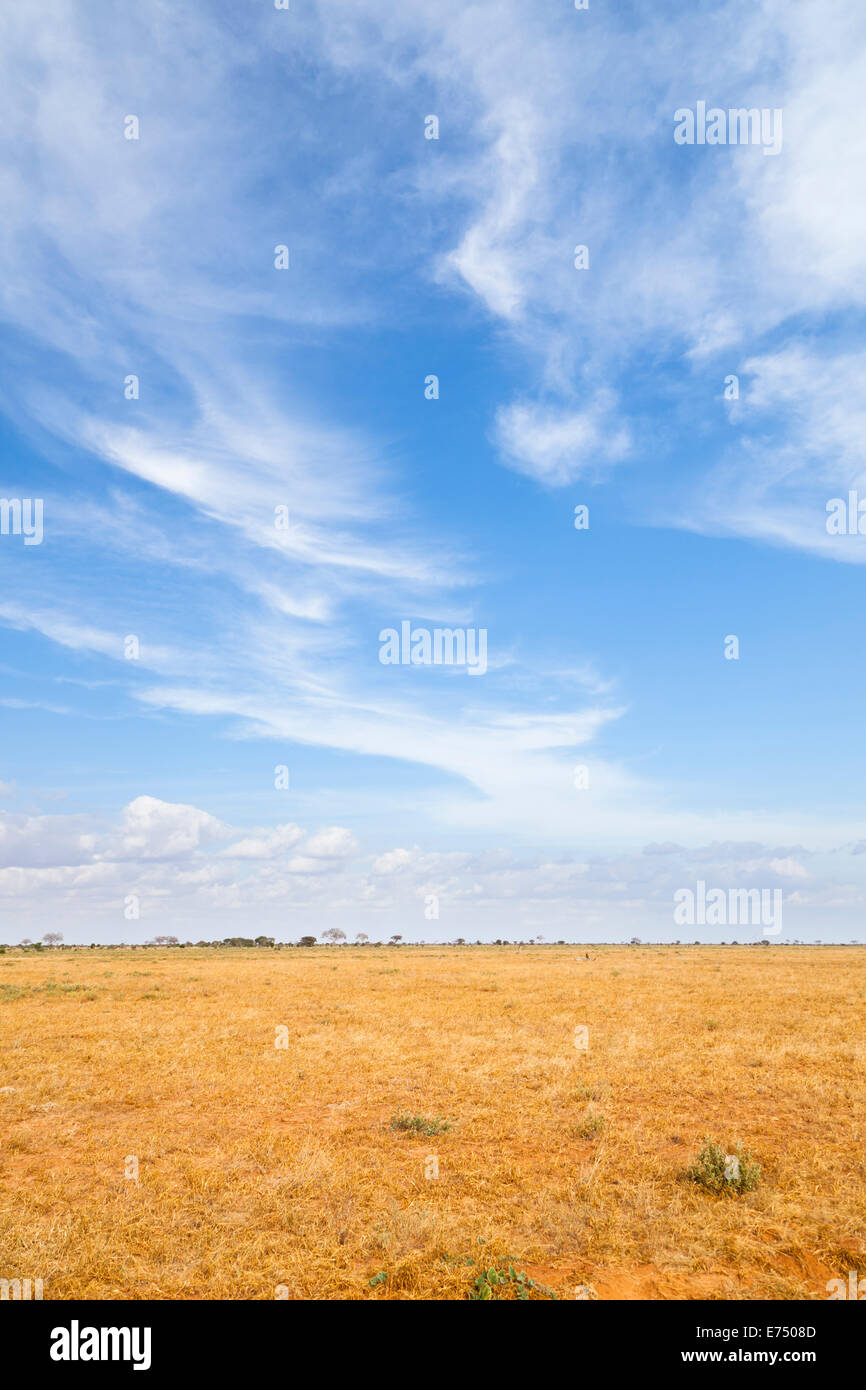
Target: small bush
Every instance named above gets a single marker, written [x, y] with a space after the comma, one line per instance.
[584, 1092]
[12, 992]
[416, 1124]
[507, 1282]
[590, 1126]
[716, 1171]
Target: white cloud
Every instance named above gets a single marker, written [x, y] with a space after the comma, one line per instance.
[267, 845]
[186, 885]
[333, 843]
[42, 841]
[801, 418]
[698, 254]
[556, 446]
[788, 868]
[392, 862]
[154, 829]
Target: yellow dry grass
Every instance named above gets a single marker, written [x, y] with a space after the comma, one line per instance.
[261, 1166]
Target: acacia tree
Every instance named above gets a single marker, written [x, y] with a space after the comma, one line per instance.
[334, 935]
[362, 937]
[53, 938]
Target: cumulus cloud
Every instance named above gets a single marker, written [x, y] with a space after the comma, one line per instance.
[29, 841]
[392, 862]
[788, 868]
[190, 883]
[154, 829]
[265, 846]
[332, 843]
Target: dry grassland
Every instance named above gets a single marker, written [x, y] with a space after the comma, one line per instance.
[262, 1166]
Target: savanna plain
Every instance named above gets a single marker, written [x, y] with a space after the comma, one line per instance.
[431, 1122]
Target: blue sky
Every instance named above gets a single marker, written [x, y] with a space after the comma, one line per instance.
[153, 778]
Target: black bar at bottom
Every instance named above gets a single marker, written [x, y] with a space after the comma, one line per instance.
[81, 1339]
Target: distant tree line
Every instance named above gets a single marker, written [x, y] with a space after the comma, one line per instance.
[333, 936]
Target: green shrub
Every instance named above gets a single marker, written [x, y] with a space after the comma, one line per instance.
[416, 1124]
[507, 1282]
[716, 1171]
[590, 1126]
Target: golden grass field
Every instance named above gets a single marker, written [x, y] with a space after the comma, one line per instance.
[263, 1166]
